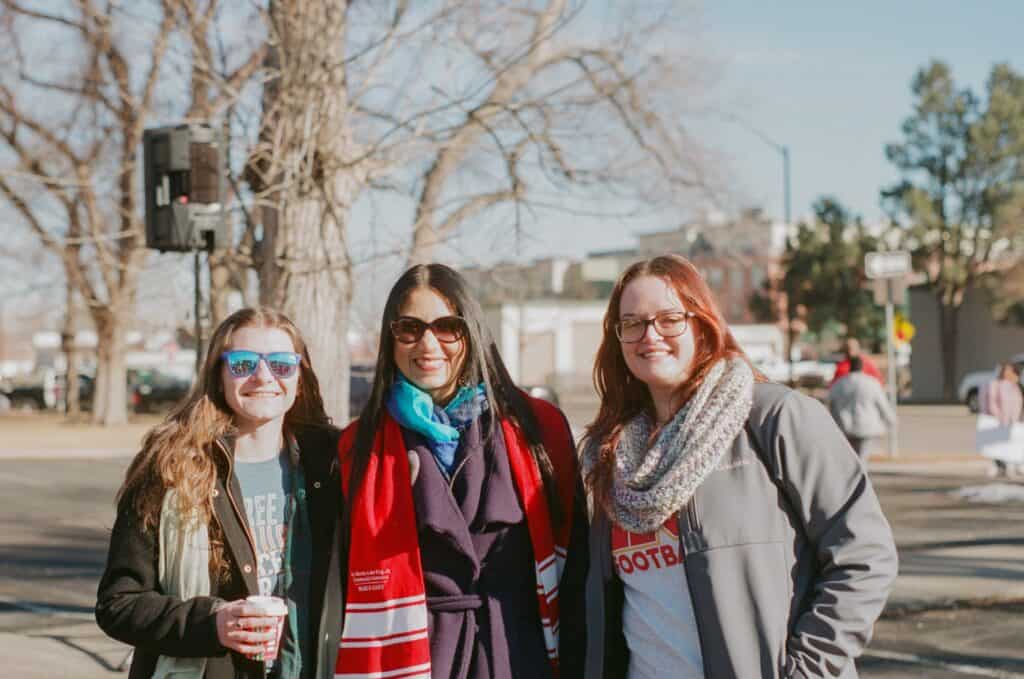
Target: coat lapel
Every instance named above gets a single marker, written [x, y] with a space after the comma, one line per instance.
[230, 512]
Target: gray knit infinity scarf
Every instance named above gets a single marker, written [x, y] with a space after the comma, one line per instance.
[654, 481]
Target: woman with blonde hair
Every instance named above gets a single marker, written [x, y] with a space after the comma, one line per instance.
[735, 532]
[234, 494]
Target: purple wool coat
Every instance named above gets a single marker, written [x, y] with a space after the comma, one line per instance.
[479, 571]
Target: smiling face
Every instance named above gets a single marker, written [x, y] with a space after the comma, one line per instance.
[431, 365]
[261, 397]
[662, 363]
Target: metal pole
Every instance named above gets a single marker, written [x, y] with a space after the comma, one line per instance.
[785, 176]
[199, 325]
[790, 310]
[890, 355]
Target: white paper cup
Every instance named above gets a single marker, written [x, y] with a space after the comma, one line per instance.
[271, 607]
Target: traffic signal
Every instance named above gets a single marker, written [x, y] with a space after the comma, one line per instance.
[903, 329]
[184, 188]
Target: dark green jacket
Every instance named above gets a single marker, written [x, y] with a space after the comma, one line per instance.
[131, 608]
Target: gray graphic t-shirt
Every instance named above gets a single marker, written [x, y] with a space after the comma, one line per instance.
[267, 495]
[266, 490]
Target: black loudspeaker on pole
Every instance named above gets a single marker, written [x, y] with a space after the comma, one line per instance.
[184, 194]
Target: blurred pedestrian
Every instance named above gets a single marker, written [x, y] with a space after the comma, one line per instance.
[466, 520]
[852, 350]
[859, 404]
[1001, 398]
[234, 494]
[735, 534]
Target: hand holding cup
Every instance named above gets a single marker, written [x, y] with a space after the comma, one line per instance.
[248, 629]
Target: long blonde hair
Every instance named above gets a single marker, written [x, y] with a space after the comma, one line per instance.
[181, 452]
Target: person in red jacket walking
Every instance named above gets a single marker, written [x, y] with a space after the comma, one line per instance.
[851, 349]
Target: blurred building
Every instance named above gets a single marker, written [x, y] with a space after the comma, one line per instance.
[983, 341]
[736, 258]
[547, 315]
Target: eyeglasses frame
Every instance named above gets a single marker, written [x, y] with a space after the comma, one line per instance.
[648, 322]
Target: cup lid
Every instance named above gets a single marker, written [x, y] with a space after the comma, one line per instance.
[271, 605]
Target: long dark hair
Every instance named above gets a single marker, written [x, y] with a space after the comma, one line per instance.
[482, 365]
[623, 396]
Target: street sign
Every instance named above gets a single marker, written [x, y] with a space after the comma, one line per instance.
[888, 264]
[889, 290]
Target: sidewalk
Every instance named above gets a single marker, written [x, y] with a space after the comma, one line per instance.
[78, 650]
[49, 436]
[957, 532]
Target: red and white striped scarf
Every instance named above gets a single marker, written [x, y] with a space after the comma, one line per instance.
[385, 625]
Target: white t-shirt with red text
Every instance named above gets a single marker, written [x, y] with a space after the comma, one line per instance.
[657, 618]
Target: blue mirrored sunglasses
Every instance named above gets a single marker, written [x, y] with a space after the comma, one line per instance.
[243, 363]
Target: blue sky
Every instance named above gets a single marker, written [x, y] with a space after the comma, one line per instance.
[829, 80]
[832, 81]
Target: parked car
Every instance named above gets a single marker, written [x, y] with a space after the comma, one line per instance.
[967, 392]
[807, 374]
[45, 390]
[359, 386]
[155, 391]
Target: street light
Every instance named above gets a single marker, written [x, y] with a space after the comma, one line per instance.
[786, 203]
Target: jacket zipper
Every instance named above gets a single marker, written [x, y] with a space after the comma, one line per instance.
[325, 666]
[691, 512]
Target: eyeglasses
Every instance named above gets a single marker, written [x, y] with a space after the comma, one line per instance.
[243, 363]
[666, 323]
[447, 329]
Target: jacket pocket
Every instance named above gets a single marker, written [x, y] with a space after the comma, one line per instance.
[741, 600]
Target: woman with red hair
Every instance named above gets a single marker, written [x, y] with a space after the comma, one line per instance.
[735, 532]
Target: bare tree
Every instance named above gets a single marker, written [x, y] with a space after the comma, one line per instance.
[80, 163]
[70, 165]
[212, 94]
[456, 108]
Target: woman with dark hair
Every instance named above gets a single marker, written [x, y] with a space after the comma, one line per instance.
[465, 533]
[735, 532]
[234, 494]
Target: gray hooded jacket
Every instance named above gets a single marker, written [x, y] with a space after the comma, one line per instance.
[788, 556]
[860, 407]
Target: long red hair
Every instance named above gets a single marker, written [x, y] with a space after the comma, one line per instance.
[623, 396]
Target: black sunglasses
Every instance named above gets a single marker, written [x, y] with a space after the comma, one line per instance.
[447, 329]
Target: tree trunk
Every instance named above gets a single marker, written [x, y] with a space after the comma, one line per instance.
[314, 291]
[949, 317]
[220, 288]
[306, 148]
[110, 396]
[425, 240]
[72, 406]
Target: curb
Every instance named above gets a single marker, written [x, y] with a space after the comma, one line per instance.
[901, 610]
[68, 454]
